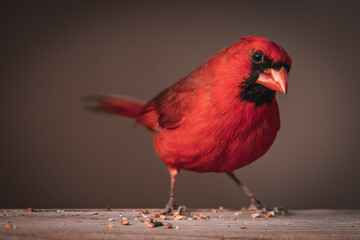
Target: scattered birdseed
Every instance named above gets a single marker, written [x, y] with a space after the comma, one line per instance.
[179, 217]
[169, 225]
[162, 217]
[152, 223]
[177, 227]
[125, 222]
[9, 226]
[200, 216]
[154, 215]
[111, 225]
[111, 219]
[232, 219]
[30, 209]
[149, 224]
[243, 226]
[270, 214]
[238, 213]
[145, 211]
[256, 215]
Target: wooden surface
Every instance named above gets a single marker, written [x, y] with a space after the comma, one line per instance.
[94, 224]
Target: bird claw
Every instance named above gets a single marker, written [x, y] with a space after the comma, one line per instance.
[280, 210]
[256, 205]
[172, 208]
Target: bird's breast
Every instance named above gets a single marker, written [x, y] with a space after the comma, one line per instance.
[219, 142]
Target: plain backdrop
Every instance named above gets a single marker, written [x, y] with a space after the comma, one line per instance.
[56, 154]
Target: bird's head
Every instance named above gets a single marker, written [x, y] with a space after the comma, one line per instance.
[261, 66]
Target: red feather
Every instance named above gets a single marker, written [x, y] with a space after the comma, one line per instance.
[118, 105]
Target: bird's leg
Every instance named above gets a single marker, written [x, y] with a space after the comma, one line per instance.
[172, 207]
[255, 204]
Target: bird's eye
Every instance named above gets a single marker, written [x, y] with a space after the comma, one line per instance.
[257, 57]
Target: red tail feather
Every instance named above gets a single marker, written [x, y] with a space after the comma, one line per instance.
[119, 105]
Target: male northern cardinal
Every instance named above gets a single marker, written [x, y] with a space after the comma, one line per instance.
[220, 117]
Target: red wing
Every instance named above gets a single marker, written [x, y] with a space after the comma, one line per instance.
[168, 109]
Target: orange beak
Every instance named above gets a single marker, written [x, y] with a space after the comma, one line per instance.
[273, 79]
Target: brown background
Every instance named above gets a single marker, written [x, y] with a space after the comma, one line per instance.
[56, 154]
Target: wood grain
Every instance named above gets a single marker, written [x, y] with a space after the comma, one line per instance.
[226, 224]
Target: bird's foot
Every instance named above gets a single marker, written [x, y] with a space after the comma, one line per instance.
[256, 205]
[172, 208]
[280, 210]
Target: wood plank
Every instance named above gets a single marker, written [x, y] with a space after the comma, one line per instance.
[94, 224]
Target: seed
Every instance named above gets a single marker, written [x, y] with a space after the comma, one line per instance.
[154, 215]
[111, 219]
[9, 226]
[111, 225]
[30, 209]
[179, 217]
[177, 227]
[176, 214]
[145, 211]
[162, 217]
[169, 225]
[232, 219]
[256, 215]
[270, 214]
[152, 224]
[149, 224]
[125, 222]
[242, 226]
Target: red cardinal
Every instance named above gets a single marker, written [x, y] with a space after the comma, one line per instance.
[221, 117]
